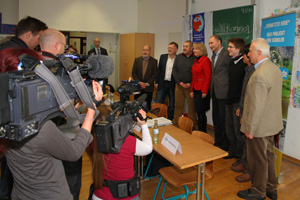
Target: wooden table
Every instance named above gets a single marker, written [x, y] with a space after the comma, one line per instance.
[194, 152]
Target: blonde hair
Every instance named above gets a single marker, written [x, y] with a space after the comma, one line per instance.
[202, 47]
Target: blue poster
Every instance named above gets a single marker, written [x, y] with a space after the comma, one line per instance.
[279, 31]
[198, 27]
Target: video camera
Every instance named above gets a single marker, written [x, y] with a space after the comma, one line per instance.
[112, 133]
[34, 95]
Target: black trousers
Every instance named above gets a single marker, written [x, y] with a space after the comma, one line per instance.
[219, 111]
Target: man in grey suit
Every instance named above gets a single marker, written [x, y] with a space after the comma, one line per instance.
[144, 70]
[262, 119]
[219, 88]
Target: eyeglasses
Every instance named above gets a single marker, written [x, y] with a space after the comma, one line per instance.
[231, 47]
[65, 45]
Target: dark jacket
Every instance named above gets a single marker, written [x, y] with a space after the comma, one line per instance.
[182, 69]
[137, 72]
[102, 51]
[161, 71]
[236, 77]
[219, 78]
[13, 43]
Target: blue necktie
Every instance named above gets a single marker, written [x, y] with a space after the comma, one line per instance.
[98, 51]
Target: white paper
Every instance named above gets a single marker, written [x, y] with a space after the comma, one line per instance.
[137, 127]
[171, 144]
[161, 121]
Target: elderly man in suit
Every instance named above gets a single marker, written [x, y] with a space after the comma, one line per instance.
[219, 89]
[165, 83]
[97, 50]
[144, 70]
[262, 119]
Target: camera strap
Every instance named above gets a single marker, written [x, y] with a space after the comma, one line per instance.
[81, 88]
[65, 103]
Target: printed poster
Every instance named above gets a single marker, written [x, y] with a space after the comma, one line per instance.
[279, 31]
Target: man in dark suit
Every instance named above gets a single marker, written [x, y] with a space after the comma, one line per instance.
[262, 119]
[165, 83]
[144, 70]
[97, 50]
[219, 88]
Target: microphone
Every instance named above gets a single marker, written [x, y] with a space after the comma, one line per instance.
[102, 66]
[139, 103]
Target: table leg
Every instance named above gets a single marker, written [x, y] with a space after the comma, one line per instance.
[200, 174]
[142, 166]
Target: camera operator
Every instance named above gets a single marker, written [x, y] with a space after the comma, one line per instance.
[27, 34]
[118, 167]
[36, 161]
[52, 43]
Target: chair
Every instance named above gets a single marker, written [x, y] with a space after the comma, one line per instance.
[185, 177]
[162, 112]
[163, 109]
[185, 124]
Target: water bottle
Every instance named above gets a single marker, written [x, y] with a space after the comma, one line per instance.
[155, 132]
[111, 98]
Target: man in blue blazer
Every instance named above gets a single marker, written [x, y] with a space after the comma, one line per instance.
[165, 83]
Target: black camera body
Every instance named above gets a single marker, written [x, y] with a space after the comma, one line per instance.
[112, 133]
[28, 102]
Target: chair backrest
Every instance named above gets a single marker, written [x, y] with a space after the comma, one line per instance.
[209, 167]
[185, 124]
[163, 112]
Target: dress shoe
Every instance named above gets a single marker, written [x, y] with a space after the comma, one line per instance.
[249, 195]
[272, 195]
[230, 156]
[236, 163]
[245, 177]
[238, 168]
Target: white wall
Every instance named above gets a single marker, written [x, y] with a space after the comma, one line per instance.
[10, 11]
[113, 16]
[164, 19]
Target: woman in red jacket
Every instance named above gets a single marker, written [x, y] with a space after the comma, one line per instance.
[200, 86]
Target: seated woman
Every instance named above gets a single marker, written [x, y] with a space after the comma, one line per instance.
[120, 166]
[36, 162]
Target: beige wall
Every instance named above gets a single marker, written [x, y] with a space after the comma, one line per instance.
[113, 16]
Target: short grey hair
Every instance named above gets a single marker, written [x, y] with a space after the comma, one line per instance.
[262, 45]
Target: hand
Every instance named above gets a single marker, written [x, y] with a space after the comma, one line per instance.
[142, 85]
[237, 112]
[203, 95]
[248, 135]
[97, 89]
[143, 113]
[192, 94]
[78, 105]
